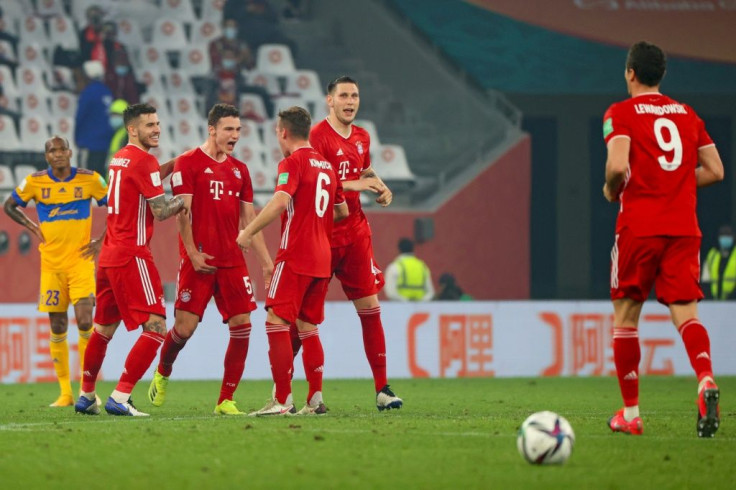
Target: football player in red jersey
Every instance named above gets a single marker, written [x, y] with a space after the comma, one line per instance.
[218, 194]
[659, 153]
[128, 284]
[307, 190]
[347, 147]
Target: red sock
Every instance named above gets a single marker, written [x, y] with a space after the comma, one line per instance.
[173, 344]
[282, 362]
[374, 343]
[139, 360]
[237, 351]
[697, 344]
[626, 355]
[296, 342]
[314, 360]
[93, 357]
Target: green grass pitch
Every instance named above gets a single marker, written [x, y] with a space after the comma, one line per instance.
[451, 434]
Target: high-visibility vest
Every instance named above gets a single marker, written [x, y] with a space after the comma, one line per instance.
[721, 289]
[119, 139]
[412, 281]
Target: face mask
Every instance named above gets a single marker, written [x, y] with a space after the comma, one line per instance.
[726, 242]
[121, 70]
[116, 121]
[230, 32]
[228, 64]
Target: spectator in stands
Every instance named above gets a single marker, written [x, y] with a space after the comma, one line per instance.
[450, 290]
[92, 131]
[230, 40]
[90, 37]
[120, 134]
[719, 268]
[408, 277]
[119, 75]
[230, 83]
[257, 23]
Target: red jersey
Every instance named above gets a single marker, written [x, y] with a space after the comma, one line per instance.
[349, 157]
[217, 189]
[306, 224]
[134, 178]
[659, 193]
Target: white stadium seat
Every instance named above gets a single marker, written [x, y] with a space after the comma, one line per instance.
[8, 82]
[22, 171]
[32, 29]
[6, 50]
[9, 140]
[35, 105]
[153, 57]
[168, 34]
[251, 106]
[178, 83]
[212, 10]
[31, 54]
[390, 163]
[129, 33]
[304, 83]
[194, 61]
[180, 10]
[275, 59]
[33, 133]
[370, 128]
[205, 31]
[30, 80]
[269, 81]
[152, 78]
[7, 182]
[62, 33]
[63, 104]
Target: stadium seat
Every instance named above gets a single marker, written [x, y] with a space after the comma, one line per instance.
[262, 176]
[158, 100]
[304, 83]
[50, 8]
[165, 151]
[152, 78]
[317, 108]
[370, 127]
[184, 133]
[62, 33]
[21, 171]
[8, 82]
[275, 59]
[184, 107]
[129, 33]
[9, 140]
[7, 182]
[250, 132]
[9, 103]
[7, 52]
[194, 61]
[63, 104]
[269, 81]
[33, 133]
[212, 10]
[178, 83]
[273, 150]
[17, 10]
[180, 10]
[32, 29]
[62, 78]
[35, 105]
[288, 101]
[390, 164]
[63, 126]
[30, 80]
[154, 58]
[204, 31]
[168, 34]
[252, 107]
[31, 54]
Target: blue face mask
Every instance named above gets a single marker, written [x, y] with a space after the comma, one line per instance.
[116, 121]
[121, 70]
[725, 242]
[230, 32]
[229, 64]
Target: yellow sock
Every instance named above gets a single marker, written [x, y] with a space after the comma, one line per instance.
[84, 336]
[59, 348]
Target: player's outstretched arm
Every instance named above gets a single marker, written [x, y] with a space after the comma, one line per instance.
[11, 209]
[163, 208]
[617, 165]
[166, 168]
[710, 170]
[247, 215]
[385, 196]
[273, 210]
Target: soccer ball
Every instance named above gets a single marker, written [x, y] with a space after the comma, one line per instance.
[545, 438]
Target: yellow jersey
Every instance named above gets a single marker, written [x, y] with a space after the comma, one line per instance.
[64, 212]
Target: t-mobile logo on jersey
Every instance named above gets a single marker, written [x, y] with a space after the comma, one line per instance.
[216, 188]
[344, 169]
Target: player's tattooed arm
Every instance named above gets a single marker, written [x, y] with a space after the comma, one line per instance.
[12, 209]
[385, 196]
[163, 208]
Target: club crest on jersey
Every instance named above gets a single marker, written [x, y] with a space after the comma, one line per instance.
[185, 295]
[359, 146]
[77, 193]
[237, 173]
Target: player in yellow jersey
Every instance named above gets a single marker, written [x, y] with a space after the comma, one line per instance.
[63, 201]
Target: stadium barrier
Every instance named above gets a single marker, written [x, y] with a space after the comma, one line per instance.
[439, 339]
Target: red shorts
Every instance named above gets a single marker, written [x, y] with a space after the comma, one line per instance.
[671, 264]
[131, 293]
[293, 296]
[230, 286]
[356, 269]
